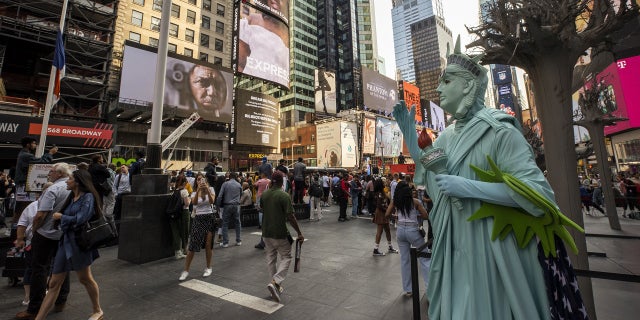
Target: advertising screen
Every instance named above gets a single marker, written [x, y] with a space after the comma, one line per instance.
[580, 134]
[625, 86]
[388, 138]
[263, 40]
[411, 96]
[348, 139]
[325, 88]
[437, 121]
[501, 74]
[191, 86]
[369, 136]
[257, 119]
[328, 144]
[379, 92]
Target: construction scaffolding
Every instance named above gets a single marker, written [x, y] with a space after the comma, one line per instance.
[28, 33]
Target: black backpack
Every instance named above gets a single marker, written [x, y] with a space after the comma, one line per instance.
[337, 191]
[174, 206]
[315, 190]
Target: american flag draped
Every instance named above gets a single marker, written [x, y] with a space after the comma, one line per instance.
[565, 301]
[59, 65]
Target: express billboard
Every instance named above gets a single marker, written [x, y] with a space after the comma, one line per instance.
[190, 86]
[325, 88]
[257, 119]
[263, 40]
[379, 92]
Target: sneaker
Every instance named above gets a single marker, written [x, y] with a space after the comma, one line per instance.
[259, 246]
[392, 250]
[408, 294]
[275, 291]
[377, 252]
[183, 275]
[224, 245]
[207, 272]
[25, 302]
[239, 243]
[179, 255]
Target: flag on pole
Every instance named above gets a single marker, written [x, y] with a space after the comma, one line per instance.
[58, 64]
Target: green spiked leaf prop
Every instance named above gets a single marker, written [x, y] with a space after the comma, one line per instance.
[523, 225]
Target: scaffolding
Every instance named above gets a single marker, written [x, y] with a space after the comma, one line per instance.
[28, 31]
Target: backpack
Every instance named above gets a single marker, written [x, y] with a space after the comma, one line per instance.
[337, 191]
[315, 190]
[174, 205]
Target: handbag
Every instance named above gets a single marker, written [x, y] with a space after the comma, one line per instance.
[96, 233]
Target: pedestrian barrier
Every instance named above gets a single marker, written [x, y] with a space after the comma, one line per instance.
[415, 286]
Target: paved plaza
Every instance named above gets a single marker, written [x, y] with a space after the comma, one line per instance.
[339, 279]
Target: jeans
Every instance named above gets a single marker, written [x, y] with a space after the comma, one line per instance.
[355, 204]
[229, 212]
[407, 237]
[180, 230]
[273, 247]
[43, 250]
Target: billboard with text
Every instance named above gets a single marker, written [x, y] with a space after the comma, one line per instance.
[190, 86]
[348, 142]
[378, 91]
[257, 119]
[620, 94]
[329, 148]
[411, 96]
[369, 136]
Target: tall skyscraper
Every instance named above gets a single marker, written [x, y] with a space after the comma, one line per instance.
[367, 34]
[404, 13]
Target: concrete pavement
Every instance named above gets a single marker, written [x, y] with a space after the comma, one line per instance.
[339, 279]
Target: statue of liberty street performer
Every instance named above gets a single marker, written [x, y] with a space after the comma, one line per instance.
[491, 204]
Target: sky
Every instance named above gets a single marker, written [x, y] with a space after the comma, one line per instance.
[454, 19]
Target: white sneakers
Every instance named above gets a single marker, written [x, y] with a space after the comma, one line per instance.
[183, 275]
[207, 272]
[180, 255]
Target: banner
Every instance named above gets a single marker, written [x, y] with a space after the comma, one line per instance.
[325, 88]
[348, 139]
[257, 119]
[66, 133]
[329, 148]
[369, 136]
[378, 91]
[190, 86]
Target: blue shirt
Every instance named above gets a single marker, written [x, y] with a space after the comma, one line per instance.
[52, 201]
[230, 193]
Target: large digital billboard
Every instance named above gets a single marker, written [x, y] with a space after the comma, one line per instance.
[257, 119]
[437, 120]
[329, 149]
[191, 86]
[369, 136]
[379, 92]
[411, 96]
[388, 138]
[623, 77]
[501, 74]
[348, 142]
[325, 88]
[263, 40]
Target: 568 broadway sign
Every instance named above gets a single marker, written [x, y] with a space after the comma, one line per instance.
[62, 132]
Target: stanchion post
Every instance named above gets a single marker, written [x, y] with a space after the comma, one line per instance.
[415, 287]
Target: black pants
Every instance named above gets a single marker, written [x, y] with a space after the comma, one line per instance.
[43, 251]
[117, 209]
[298, 192]
[343, 208]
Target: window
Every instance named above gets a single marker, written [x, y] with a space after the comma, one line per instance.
[188, 52]
[173, 30]
[217, 60]
[175, 10]
[219, 45]
[155, 24]
[206, 22]
[136, 18]
[153, 42]
[204, 56]
[139, 2]
[188, 35]
[135, 37]
[220, 10]
[219, 27]
[157, 5]
[206, 5]
[172, 48]
[204, 40]
[191, 16]
[193, 2]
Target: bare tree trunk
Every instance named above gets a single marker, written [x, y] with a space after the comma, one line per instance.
[597, 138]
[553, 101]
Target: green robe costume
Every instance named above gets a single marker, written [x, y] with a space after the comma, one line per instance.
[471, 276]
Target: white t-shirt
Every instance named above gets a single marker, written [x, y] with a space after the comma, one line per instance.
[184, 194]
[325, 181]
[203, 206]
[26, 220]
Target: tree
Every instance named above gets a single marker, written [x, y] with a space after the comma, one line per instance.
[596, 103]
[543, 38]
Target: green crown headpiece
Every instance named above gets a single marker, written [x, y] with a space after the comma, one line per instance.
[469, 63]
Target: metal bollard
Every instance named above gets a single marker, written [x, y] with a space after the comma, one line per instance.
[415, 286]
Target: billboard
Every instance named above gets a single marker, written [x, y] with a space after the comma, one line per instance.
[369, 136]
[263, 40]
[325, 88]
[501, 74]
[437, 121]
[379, 92]
[621, 81]
[65, 133]
[191, 86]
[388, 138]
[411, 96]
[329, 149]
[348, 142]
[257, 119]
[580, 133]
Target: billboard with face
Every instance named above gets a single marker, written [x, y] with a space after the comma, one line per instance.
[368, 136]
[257, 119]
[263, 40]
[379, 92]
[191, 86]
[388, 138]
[325, 88]
[329, 146]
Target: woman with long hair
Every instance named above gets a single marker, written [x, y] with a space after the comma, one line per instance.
[202, 228]
[82, 205]
[408, 209]
[381, 201]
[180, 225]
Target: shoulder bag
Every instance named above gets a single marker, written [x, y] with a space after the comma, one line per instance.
[96, 233]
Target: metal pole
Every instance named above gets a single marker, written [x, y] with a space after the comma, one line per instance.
[415, 287]
[49, 99]
[154, 146]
